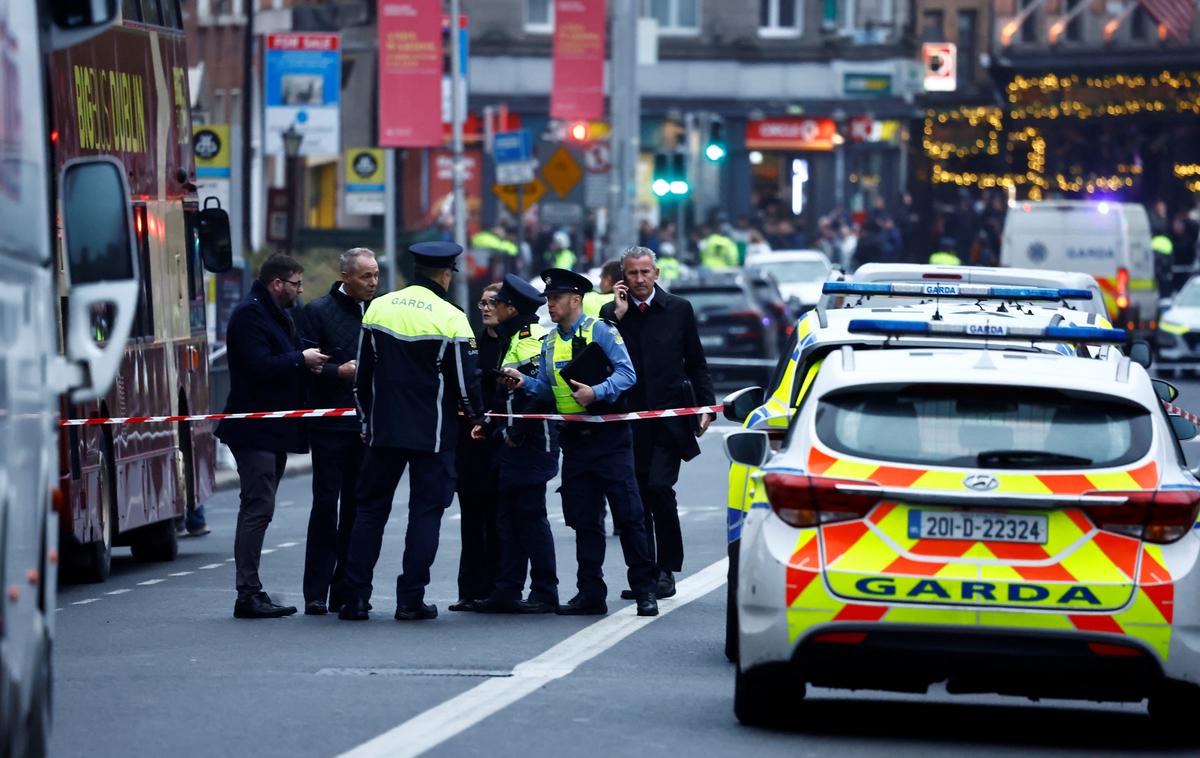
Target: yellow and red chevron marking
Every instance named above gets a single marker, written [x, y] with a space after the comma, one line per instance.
[1144, 477]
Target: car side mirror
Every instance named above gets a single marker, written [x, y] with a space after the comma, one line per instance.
[1166, 391]
[101, 269]
[750, 448]
[739, 405]
[1140, 353]
[216, 244]
[1185, 429]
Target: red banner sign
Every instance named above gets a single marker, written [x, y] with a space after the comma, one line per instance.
[410, 73]
[578, 92]
[791, 133]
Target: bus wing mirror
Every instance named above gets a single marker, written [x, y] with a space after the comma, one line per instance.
[216, 244]
[101, 270]
[76, 21]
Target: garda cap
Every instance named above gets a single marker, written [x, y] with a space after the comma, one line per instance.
[520, 294]
[560, 280]
[436, 254]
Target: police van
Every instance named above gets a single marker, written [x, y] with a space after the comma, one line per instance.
[1108, 240]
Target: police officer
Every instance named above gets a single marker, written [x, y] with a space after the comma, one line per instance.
[416, 368]
[610, 274]
[597, 458]
[528, 458]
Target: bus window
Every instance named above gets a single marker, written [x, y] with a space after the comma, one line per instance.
[150, 12]
[170, 13]
[195, 268]
[131, 10]
[143, 322]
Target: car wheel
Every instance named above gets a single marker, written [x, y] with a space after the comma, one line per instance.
[765, 695]
[1175, 705]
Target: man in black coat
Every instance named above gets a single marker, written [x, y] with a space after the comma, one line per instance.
[268, 366]
[334, 322]
[660, 333]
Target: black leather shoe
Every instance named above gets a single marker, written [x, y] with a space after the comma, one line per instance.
[493, 604]
[666, 585]
[417, 612]
[354, 610]
[581, 606]
[628, 595]
[259, 606]
[537, 606]
[315, 608]
[466, 606]
[647, 606]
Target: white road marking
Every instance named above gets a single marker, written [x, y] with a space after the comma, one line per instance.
[85, 602]
[286, 544]
[181, 573]
[286, 503]
[58, 610]
[431, 728]
[211, 566]
[119, 592]
[268, 550]
[230, 560]
[148, 582]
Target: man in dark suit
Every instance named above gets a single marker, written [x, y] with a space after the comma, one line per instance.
[660, 333]
[267, 370]
[333, 322]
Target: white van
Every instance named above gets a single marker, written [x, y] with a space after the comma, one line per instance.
[1109, 240]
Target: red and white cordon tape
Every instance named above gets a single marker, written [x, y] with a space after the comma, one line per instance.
[1176, 410]
[333, 412]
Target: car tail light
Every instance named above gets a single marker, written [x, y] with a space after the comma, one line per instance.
[1114, 651]
[1159, 516]
[841, 638]
[800, 500]
[753, 322]
[1122, 288]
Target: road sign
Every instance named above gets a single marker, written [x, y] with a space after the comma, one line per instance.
[365, 190]
[512, 147]
[511, 194]
[516, 172]
[941, 66]
[561, 214]
[562, 172]
[598, 158]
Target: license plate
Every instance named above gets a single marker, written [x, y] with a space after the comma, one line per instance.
[711, 340]
[986, 527]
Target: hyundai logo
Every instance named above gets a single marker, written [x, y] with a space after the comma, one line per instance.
[981, 482]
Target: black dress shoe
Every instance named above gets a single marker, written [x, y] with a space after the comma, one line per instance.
[416, 612]
[581, 606]
[628, 595]
[315, 608]
[493, 604]
[259, 606]
[354, 610]
[666, 585]
[537, 606]
[465, 606]
[647, 606]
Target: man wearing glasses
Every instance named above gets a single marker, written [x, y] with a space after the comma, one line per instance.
[268, 365]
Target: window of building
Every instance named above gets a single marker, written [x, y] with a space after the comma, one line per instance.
[1074, 31]
[933, 27]
[967, 20]
[539, 15]
[780, 17]
[1029, 29]
[675, 16]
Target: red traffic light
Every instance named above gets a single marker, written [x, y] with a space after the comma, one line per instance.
[579, 131]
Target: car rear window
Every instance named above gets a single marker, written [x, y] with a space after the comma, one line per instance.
[713, 298]
[984, 426]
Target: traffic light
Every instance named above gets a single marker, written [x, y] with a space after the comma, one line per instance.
[715, 149]
[578, 131]
[670, 175]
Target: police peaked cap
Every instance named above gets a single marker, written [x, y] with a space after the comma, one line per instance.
[435, 254]
[560, 280]
[520, 294]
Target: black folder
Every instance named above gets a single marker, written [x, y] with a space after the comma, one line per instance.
[590, 367]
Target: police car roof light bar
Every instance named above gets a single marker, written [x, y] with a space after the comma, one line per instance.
[944, 289]
[1089, 334]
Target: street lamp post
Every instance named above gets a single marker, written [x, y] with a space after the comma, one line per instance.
[292, 137]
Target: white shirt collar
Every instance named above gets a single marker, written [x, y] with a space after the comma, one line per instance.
[647, 301]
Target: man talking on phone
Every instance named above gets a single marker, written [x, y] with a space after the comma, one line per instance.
[659, 330]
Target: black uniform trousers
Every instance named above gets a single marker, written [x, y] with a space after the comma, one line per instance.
[657, 466]
[477, 485]
[525, 540]
[336, 460]
[598, 463]
[431, 490]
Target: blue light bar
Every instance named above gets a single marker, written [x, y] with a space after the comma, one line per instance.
[944, 289]
[1089, 334]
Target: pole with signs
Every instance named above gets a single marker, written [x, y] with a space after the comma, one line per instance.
[456, 126]
[389, 216]
[625, 125]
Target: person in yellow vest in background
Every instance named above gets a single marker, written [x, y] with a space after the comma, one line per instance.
[1164, 250]
[669, 268]
[503, 255]
[561, 255]
[718, 251]
[610, 274]
[945, 255]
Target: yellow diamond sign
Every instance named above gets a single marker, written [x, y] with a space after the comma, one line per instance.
[520, 197]
[562, 172]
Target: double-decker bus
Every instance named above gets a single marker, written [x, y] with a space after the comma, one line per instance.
[124, 94]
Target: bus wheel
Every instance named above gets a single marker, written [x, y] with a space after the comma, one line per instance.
[96, 557]
[155, 543]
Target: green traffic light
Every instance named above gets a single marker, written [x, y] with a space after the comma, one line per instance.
[714, 152]
[679, 187]
[661, 187]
